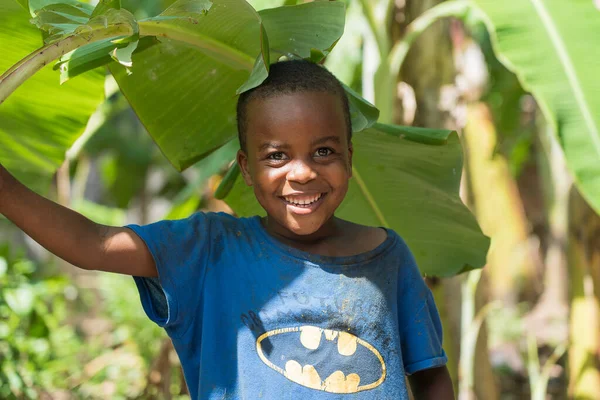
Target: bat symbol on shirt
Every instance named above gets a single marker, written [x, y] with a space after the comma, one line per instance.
[309, 353]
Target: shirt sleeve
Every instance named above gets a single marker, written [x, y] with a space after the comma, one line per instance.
[180, 251]
[419, 321]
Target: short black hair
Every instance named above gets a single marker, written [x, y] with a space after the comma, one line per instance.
[290, 77]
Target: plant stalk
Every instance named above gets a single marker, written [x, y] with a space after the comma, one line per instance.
[469, 333]
[26, 68]
[392, 59]
[32, 63]
[180, 34]
[376, 27]
[456, 8]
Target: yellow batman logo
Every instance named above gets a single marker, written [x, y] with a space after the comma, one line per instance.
[303, 358]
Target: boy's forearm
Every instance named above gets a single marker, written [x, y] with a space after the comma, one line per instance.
[64, 232]
[432, 384]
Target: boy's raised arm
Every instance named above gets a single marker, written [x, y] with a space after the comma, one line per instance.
[70, 235]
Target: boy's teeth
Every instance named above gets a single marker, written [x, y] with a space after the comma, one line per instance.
[302, 201]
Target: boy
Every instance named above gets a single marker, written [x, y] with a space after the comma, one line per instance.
[296, 305]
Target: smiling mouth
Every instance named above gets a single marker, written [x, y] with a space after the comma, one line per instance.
[305, 201]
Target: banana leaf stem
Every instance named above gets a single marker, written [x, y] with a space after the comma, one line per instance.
[377, 28]
[456, 8]
[180, 33]
[28, 66]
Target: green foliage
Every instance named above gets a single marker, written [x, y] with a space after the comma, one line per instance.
[122, 305]
[213, 48]
[35, 348]
[61, 20]
[563, 84]
[34, 135]
[202, 82]
[44, 350]
[307, 30]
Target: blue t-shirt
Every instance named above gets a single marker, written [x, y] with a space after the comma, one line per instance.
[252, 318]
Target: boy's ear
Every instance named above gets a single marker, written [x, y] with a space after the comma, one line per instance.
[242, 160]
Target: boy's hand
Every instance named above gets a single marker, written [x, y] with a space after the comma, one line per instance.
[432, 384]
[71, 236]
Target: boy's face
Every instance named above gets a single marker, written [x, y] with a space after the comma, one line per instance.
[298, 158]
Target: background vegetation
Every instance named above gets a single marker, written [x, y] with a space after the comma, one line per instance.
[516, 81]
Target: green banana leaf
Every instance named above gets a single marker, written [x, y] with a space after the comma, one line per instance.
[552, 46]
[406, 179]
[262, 4]
[307, 31]
[41, 120]
[184, 96]
[225, 50]
[192, 111]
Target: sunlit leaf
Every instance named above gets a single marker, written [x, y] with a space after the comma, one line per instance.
[41, 119]
[362, 113]
[300, 29]
[198, 82]
[95, 55]
[61, 20]
[262, 4]
[123, 55]
[552, 48]
[200, 116]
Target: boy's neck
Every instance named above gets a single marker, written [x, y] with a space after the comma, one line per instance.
[337, 238]
[329, 229]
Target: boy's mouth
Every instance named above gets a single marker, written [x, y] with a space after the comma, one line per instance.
[303, 204]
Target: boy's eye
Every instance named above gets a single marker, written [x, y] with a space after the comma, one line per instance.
[323, 152]
[278, 155]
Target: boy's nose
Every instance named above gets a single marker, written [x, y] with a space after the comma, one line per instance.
[301, 172]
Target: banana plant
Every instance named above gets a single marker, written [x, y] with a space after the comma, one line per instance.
[564, 85]
[181, 71]
[550, 46]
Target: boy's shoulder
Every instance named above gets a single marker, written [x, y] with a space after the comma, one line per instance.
[220, 218]
[363, 238]
[200, 224]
